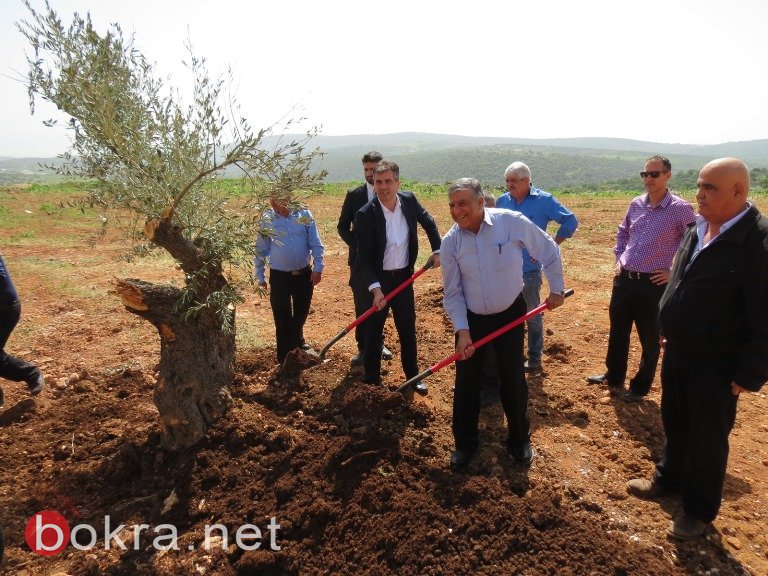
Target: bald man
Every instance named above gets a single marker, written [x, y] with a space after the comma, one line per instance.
[713, 318]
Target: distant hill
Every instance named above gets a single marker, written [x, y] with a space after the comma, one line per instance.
[555, 163]
[438, 158]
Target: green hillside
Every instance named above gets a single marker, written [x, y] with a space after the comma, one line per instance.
[564, 163]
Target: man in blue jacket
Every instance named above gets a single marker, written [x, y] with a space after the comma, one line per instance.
[714, 318]
[541, 208]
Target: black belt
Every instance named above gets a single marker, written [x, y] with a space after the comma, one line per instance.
[293, 272]
[636, 275]
[505, 311]
[398, 271]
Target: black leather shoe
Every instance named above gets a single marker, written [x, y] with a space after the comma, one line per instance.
[36, 384]
[304, 346]
[523, 454]
[632, 396]
[421, 388]
[386, 353]
[598, 379]
[357, 359]
[461, 459]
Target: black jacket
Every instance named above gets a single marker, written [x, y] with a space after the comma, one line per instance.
[716, 309]
[353, 201]
[371, 234]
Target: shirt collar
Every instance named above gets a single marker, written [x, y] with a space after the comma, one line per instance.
[397, 205]
[702, 224]
[487, 216]
[665, 200]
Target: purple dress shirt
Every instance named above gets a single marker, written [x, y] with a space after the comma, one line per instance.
[648, 237]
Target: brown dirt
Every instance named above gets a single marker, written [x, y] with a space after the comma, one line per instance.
[356, 477]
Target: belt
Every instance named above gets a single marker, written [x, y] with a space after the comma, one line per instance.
[293, 272]
[398, 271]
[519, 299]
[636, 275]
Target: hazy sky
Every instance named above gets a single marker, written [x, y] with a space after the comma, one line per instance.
[689, 71]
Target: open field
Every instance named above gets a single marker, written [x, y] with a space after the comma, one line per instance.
[358, 487]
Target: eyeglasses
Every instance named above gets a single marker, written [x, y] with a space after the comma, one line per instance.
[653, 174]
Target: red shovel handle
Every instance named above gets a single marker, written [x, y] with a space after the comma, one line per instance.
[391, 295]
[484, 340]
[364, 316]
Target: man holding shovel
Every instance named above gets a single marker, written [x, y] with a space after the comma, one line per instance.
[482, 259]
[387, 247]
[353, 201]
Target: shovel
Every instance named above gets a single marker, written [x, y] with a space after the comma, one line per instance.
[373, 309]
[484, 340]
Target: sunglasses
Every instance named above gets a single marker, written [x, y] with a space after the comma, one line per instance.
[654, 174]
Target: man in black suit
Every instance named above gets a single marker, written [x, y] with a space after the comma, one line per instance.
[353, 201]
[387, 247]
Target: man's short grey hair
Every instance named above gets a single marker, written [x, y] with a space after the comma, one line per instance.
[490, 199]
[517, 169]
[471, 184]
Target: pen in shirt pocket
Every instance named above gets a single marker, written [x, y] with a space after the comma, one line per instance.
[500, 245]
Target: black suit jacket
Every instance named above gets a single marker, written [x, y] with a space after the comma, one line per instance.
[716, 309]
[371, 234]
[353, 201]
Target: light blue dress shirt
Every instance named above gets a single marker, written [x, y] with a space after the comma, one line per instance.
[291, 242]
[541, 208]
[483, 272]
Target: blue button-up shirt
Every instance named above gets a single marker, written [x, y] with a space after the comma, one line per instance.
[289, 242]
[483, 272]
[541, 208]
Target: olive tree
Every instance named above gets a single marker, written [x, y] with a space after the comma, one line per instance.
[157, 158]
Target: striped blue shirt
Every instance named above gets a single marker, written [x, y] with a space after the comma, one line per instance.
[290, 242]
[483, 272]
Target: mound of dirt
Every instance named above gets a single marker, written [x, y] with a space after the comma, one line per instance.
[350, 473]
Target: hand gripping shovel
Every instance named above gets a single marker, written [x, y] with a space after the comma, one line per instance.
[484, 340]
[364, 316]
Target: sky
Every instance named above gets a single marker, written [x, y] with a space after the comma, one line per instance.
[687, 71]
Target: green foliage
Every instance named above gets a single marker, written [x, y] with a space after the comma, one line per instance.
[144, 151]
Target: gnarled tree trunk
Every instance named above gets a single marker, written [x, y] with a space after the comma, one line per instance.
[197, 362]
[197, 356]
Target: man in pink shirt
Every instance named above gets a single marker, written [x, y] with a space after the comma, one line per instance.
[646, 243]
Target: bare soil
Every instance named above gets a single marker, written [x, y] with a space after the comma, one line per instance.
[356, 477]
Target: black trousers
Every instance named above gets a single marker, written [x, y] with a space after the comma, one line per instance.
[633, 300]
[363, 300]
[513, 388]
[12, 368]
[404, 314]
[698, 411]
[290, 295]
